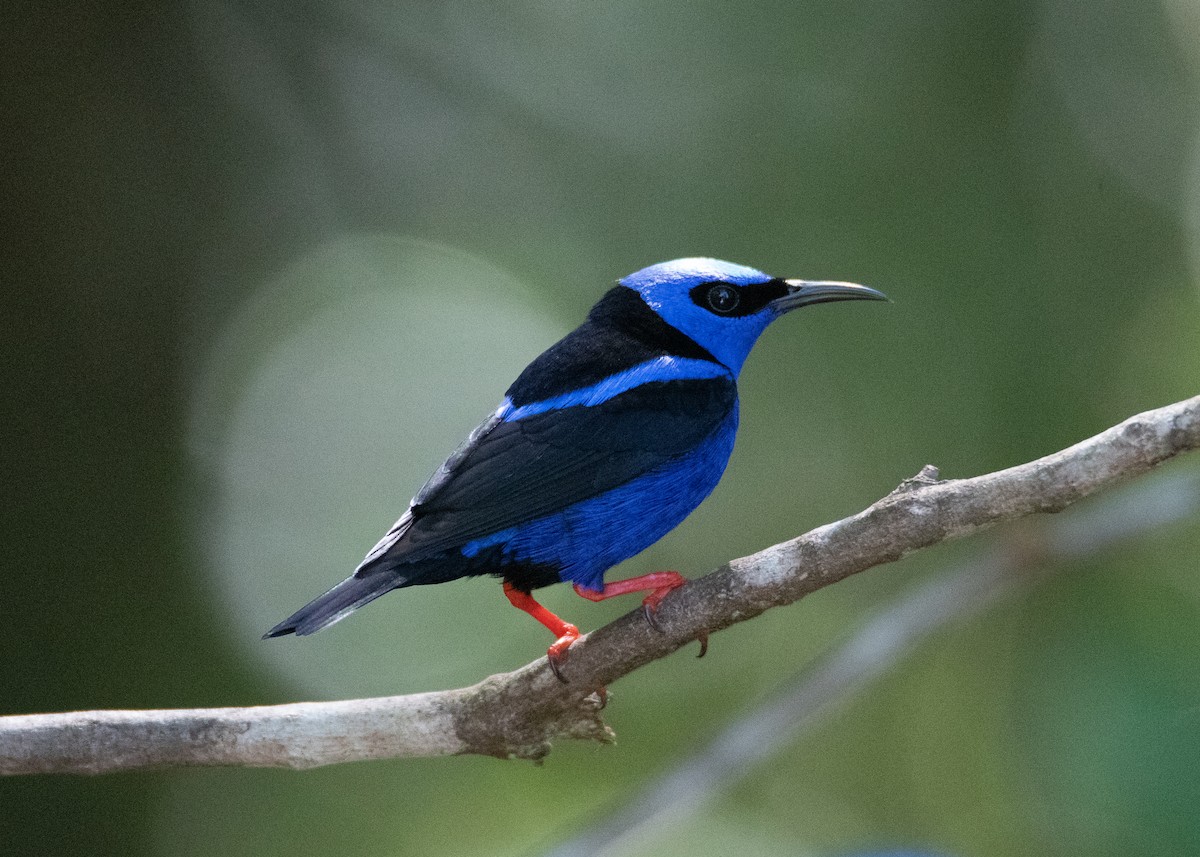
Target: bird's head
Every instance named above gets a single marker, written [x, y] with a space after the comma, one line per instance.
[724, 307]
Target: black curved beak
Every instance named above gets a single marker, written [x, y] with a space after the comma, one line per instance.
[806, 292]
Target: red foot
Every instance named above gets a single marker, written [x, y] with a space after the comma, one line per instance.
[661, 582]
[557, 653]
[564, 631]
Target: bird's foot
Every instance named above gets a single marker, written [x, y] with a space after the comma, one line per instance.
[663, 582]
[650, 606]
[565, 632]
[557, 656]
[648, 610]
[660, 583]
[673, 580]
[557, 653]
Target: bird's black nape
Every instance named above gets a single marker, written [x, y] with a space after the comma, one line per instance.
[623, 310]
[621, 331]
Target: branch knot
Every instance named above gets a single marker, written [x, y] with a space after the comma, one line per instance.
[929, 475]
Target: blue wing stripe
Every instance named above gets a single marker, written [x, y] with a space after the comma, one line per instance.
[665, 368]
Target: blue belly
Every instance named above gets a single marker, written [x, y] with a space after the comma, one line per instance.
[585, 540]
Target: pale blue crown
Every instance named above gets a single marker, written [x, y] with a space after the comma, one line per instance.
[665, 288]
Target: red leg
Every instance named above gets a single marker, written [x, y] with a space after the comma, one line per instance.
[564, 631]
[660, 582]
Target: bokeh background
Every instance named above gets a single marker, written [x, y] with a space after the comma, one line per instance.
[266, 263]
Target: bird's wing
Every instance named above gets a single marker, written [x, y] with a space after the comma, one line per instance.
[512, 472]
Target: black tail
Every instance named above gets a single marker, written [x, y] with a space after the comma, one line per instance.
[337, 603]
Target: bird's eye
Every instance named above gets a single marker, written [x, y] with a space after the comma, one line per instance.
[723, 298]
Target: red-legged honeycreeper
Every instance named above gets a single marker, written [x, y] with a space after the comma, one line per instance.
[603, 445]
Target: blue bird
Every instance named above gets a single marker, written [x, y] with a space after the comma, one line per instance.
[604, 444]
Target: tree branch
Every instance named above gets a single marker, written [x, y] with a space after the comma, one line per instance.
[1025, 557]
[519, 714]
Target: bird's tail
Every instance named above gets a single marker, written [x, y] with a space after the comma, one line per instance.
[336, 604]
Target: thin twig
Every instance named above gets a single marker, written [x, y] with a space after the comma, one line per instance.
[519, 714]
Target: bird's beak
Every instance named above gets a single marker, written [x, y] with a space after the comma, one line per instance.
[805, 292]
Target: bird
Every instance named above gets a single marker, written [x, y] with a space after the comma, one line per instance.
[603, 444]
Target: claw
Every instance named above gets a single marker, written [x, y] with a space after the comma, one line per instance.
[650, 608]
[557, 653]
[648, 611]
[671, 581]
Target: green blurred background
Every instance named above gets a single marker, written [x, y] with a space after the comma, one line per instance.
[266, 263]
